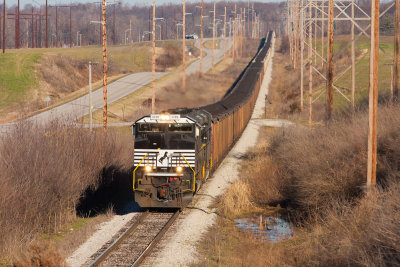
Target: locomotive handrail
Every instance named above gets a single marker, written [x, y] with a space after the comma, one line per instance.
[194, 174]
[134, 171]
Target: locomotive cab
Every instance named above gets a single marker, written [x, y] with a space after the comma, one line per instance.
[166, 170]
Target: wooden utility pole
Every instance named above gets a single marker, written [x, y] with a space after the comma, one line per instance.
[396, 53]
[56, 26]
[100, 25]
[183, 49]
[90, 97]
[213, 42]
[329, 80]
[310, 62]
[4, 26]
[33, 35]
[353, 58]
[70, 28]
[297, 33]
[225, 34]
[153, 94]
[17, 27]
[114, 37]
[104, 66]
[201, 40]
[301, 26]
[248, 18]
[47, 31]
[234, 35]
[241, 32]
[373, 95]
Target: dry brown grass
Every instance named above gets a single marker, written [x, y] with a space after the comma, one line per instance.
[237, 199]
[40, 255]
[45, 172]
[319, 177]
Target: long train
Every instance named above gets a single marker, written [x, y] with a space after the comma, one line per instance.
[176, 151]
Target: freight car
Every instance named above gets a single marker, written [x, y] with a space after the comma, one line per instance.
[176, 151]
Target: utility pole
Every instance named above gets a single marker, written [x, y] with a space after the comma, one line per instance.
[70, 28]
[396, 53]
[248, 18]
[101, 25]
[373, 95]
[241, 32]
[329, 75]
[225, 34]
[40, 30]
[153, 94]
[234, 36]
[301, 26]
[56, 26]
[114, 37]
[4, 26]
[183, 49]
[47, 19]
[310, 62]
[90, 97]
[33, 35]
[353, 58]
[104, 66]
[17, 41]
[201, 40]
[213, 42]
[130, 30]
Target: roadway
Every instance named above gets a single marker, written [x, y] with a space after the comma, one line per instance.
[118, 89]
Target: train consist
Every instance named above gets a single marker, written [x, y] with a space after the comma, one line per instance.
[176, 151]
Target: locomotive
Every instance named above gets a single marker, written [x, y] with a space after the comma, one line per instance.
[173, 149]
[176, 150]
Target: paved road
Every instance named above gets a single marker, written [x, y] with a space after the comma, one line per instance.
[115, 91]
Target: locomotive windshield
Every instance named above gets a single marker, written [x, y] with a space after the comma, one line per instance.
[165, 136]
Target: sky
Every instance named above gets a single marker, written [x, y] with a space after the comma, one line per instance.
[138, 2]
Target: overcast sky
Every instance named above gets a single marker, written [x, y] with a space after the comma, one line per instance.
[138, 2]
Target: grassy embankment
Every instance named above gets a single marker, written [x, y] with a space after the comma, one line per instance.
[317, 180]
[29, 76]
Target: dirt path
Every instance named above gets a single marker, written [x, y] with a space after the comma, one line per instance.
[179, 246]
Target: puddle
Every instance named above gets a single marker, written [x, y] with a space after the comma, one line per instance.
[266, 228]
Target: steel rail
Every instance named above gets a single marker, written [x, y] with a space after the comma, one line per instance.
[156, 239]
[115, 244]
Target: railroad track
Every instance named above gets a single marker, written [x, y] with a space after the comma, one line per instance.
[136, 242]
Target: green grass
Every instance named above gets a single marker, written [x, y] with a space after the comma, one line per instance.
[362, 71]
[16, 76]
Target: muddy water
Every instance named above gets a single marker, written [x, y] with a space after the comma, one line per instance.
[266, 228]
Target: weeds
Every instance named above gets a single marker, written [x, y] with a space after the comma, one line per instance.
[44, 173]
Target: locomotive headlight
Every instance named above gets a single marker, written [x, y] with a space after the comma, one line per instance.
[164, 117]
[147, 168]
[179, 169]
